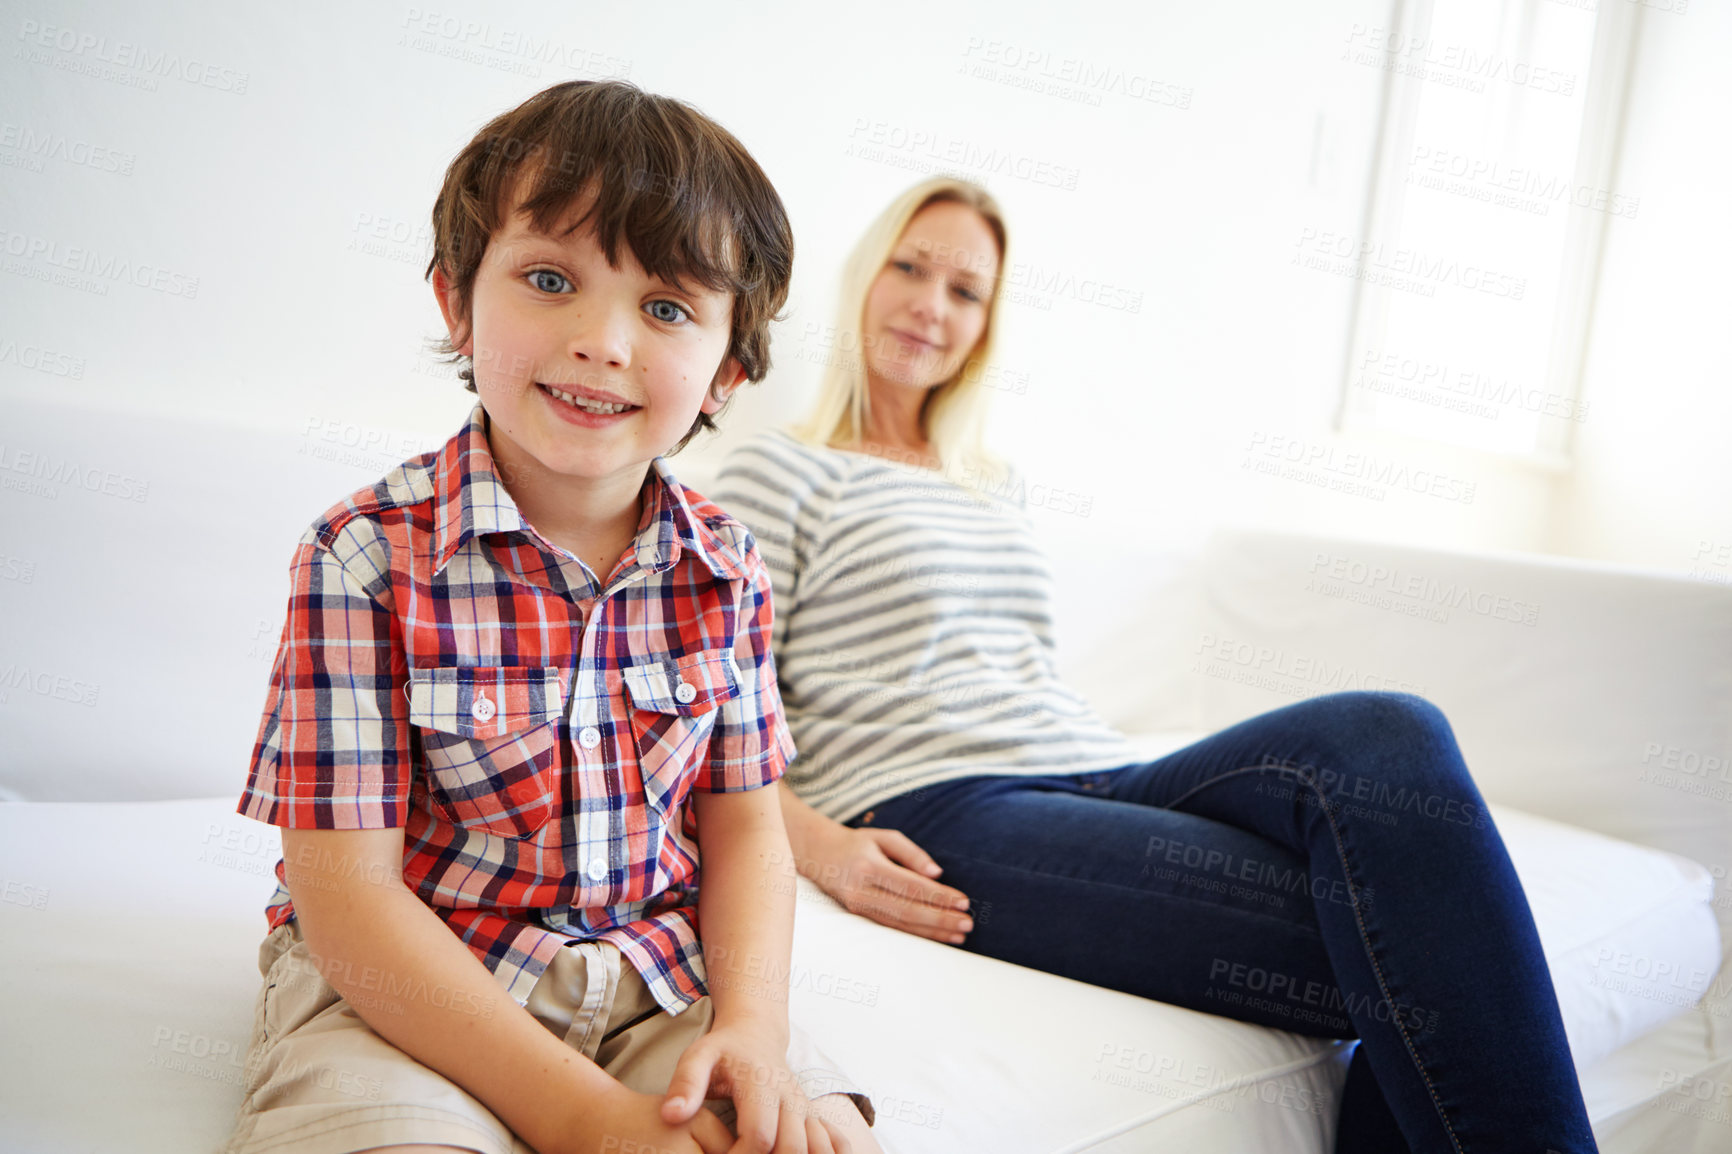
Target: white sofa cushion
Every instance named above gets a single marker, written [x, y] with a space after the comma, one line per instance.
[130, 968]
[1629, 932]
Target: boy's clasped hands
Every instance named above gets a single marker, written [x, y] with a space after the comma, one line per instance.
[742, 1062]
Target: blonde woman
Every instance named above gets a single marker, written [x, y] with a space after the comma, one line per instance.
[1327, 868]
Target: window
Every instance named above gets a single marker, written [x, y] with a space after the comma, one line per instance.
[1492, 189]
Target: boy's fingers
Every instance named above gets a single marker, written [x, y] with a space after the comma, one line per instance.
[791, 1130]
[818, 1137]
[711, 1134]
[686, 1089]
[755, 1120]
[838, 1140]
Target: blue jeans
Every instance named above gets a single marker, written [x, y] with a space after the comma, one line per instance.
[1327, 868]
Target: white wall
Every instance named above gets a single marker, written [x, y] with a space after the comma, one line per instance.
[284, 161]
[1188, 205]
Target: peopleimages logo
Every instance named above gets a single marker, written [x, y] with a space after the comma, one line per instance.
[884, 141]
[520, 51]
[1454, 65]
[1298, 674]
[1347, 471]
[41, 360]
[56, 686]
[1068, 77]
[1707, 775]
[40, 145]
[1400, 267]
[38, 473]
[153, 63]
[1384, 586]
[1511, 186]
[1278, 991]
[1439, 383]
[91, 262]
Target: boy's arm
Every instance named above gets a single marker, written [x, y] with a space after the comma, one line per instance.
[746, 898]
[421, 989]
[747, 879]
[746, 906]
[746, 924]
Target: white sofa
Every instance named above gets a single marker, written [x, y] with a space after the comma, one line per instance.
[141, 595]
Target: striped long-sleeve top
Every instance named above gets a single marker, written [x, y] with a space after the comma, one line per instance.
[913, 628]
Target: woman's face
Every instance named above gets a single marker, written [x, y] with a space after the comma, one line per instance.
[927, 308]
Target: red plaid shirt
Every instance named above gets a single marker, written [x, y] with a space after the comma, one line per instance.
[446, 669]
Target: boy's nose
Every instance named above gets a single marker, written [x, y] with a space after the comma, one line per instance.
[602, 338]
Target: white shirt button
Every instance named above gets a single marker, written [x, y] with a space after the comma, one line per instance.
[589, 737]
[684, 692]
[597, 869]
[482, 709]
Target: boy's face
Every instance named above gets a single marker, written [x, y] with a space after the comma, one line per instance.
[587, 370]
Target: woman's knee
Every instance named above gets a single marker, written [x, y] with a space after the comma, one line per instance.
[1389, 733]
[1361, 714]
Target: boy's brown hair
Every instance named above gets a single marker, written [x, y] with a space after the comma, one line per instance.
[676, 188]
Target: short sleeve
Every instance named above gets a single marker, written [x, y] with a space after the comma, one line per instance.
[750, 745]
[332, 750]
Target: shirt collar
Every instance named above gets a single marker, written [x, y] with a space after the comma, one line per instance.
[470, 500]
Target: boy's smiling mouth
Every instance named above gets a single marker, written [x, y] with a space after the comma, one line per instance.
[590, 401]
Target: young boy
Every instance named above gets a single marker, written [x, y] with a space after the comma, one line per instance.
[522, 677]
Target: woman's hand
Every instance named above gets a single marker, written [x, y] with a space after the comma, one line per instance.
[883, 875]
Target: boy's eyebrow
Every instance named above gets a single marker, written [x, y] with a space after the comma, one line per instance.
[690, 286]
[530, 229]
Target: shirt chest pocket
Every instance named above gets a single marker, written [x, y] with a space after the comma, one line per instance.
[674, 705]
[491, 739]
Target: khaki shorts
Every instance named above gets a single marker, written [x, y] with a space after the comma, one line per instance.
[319, 1080]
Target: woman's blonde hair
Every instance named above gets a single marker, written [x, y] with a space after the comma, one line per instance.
[953, 415]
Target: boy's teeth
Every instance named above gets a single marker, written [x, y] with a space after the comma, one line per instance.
[586, 405]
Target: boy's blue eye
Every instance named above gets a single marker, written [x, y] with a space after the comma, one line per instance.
[547, 280]
[968, 295]
[667, 311]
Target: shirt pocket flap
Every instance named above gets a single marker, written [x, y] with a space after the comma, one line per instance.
[484, 701]
[689, 686]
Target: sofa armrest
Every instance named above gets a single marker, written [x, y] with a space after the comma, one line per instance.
[1595, 694]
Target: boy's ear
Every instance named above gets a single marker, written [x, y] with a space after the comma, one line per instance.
[728, 378]
[448, 307]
